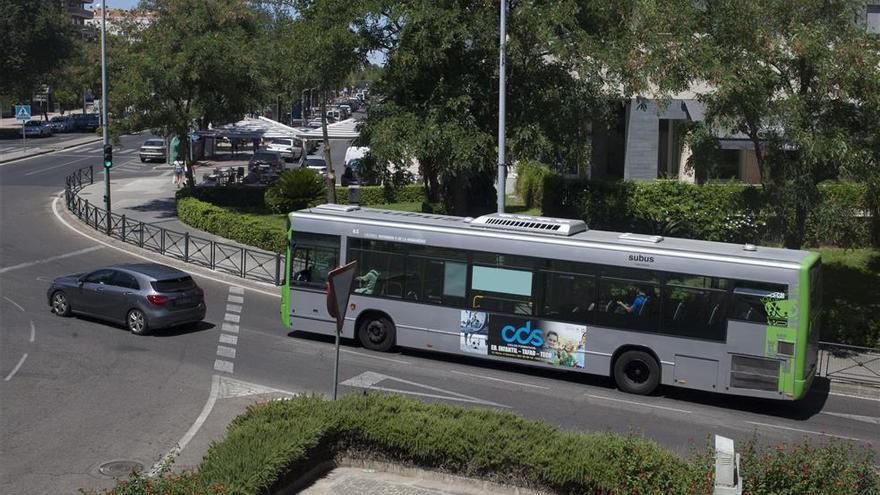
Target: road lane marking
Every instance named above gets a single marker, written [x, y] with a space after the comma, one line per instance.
[229, 327]
[193, 269]
[235, 299]
[227, 352]
[209, 405]
[225, 366]
[53, 167]
[369, 379]
[855, 417]
[225, 338]
[398, 361]
[639, 403]
[232, 318]
[33, 331]
[233, 308]
[236, 289]
[806, 431]
[875, 399]
[14, 304]
[15, 370]
[484, 377]
[53, 258]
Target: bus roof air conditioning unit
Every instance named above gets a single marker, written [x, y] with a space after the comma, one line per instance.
[525, 223]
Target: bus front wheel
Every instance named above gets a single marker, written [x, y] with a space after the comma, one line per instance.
[636, 372]
[377, 333]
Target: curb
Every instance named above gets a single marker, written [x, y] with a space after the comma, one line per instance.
[42, 151]
[77, 225]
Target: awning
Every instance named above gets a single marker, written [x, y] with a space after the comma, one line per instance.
[346, 129]
[249, 128]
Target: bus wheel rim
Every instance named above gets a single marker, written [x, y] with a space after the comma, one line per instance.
[376, 332]
[637, 371]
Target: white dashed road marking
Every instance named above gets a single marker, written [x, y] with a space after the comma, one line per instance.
[225, 338]
[235, 299]
[225, 366]
[230, 324]
[233, 318]
[233, 308]
[236, 290]
[229, 327]
[15, 370]
[227, 352]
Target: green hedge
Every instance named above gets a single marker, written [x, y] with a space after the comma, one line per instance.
[258, 231]
[275, 443]
[234, 196]
[727, 212]
[379, 195]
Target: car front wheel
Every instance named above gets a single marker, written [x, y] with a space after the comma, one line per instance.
[60, 304]
[136, 321]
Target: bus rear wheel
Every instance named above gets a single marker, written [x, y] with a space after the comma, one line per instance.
[637, 372]
[377, 333]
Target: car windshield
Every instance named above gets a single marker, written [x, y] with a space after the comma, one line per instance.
[59, 119]
[33, 123]
[315, 162]
[154, 142]
[181, 284]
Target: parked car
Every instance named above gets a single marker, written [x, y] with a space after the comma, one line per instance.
[153, 149]
[316, 163]
[37, 128]
[143, 297]
[269, 157]
[290, 148]
[353, 156]
[61, 123]
[86, 121]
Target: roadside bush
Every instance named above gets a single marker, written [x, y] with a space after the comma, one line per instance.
[379, 195]
[250, 197]
[530, 182]
[296, 189]
[253, 230]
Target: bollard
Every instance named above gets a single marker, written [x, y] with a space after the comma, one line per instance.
[727, 479]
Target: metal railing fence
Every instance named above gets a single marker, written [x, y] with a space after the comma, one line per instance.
[243, 262]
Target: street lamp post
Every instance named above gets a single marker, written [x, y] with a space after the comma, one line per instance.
[105, 126]
[502, 79]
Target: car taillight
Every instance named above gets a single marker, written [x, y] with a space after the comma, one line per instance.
[157, 299]
[200, 292]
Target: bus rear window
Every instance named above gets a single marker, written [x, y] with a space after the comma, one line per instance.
[750, 301]
[816, 286]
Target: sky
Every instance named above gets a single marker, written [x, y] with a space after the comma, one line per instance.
[117, 4]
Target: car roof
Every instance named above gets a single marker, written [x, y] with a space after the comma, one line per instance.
[153, 270]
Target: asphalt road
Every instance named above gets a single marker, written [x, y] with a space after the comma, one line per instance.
[76, 393]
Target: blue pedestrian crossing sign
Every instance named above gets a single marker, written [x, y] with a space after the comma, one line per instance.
[23, 112]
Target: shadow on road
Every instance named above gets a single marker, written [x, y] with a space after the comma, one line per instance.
[800, 410]
[166, 208]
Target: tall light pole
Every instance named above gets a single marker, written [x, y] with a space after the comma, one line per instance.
[502, 80]
[105, 126]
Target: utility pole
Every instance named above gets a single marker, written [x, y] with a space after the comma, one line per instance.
[502, 81]
[105, 127]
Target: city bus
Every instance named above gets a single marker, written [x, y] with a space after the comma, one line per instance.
[645, 310]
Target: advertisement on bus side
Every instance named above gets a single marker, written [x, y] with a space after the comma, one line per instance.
[557, 343]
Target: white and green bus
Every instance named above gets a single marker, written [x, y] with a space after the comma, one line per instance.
[644, 310]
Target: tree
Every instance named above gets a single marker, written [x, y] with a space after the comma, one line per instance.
[800, 80]
[327, 50]
[36, 37]
[194, 65]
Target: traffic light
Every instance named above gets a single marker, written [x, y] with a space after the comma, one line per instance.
[108, 155]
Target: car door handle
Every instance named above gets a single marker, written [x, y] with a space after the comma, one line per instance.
[128, 293]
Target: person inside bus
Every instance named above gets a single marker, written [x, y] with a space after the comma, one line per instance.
[304, 275]
[368, 282]
[636, 306]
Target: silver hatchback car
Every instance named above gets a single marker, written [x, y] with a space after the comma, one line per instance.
[143, 296]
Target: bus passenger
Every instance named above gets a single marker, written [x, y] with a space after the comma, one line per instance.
[638, 302]
[368, 281]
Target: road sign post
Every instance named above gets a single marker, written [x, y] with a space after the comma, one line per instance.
[340, 282]
[23, 113]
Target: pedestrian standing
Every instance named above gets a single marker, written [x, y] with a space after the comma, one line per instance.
[178, 172]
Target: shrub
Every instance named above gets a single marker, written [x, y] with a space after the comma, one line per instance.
[250, 197]
[530, 182]
[295, 189]
[379, 195]
[252, 230]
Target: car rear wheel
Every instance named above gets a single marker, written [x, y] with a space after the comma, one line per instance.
[136, 321]
[377, 333]
[143, 160]
[60, 304]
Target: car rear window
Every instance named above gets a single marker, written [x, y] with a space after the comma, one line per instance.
[264, 156]
[154, 142]
[181, 284]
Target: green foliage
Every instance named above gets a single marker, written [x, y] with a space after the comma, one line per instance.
[242, 197]
[295, 189]
[530, 182]
[37, 36]
[851, 310]
[830, 469]
[273, 444]
[165, 483]
[252, 230]
[380, 195]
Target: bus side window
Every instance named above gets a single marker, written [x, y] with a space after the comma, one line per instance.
[692, 310]
[568, 296]
[749, 301]
[501, 289]
[628, 304]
